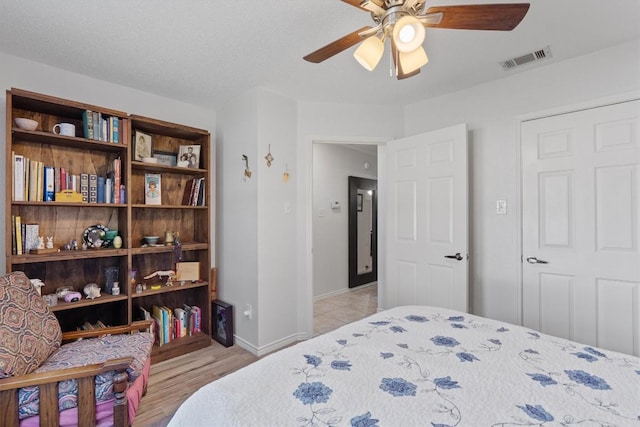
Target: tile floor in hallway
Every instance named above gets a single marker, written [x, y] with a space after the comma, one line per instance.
[332, 312]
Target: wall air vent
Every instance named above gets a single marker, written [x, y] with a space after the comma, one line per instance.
[528, 58]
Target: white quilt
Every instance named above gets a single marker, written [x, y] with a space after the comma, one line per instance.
[425, 366]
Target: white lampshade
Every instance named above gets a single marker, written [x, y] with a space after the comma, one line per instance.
[369, 52]
[408, 34]
[409, 62]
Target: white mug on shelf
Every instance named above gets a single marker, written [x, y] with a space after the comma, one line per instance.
[66, 129]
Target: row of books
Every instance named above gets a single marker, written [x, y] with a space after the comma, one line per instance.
[33, 181]
[24, 236]
[100, 128]
[194, 194]
[173, 324]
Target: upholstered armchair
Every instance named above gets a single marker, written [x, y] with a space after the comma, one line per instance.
[97, 378]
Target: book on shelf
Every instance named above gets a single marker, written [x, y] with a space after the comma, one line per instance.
[152, 189]
[18, 226]
[194, 192]
[31, 237]
[18, 178]
[84, 187]
[49, 184]
[93, 188]
[87, 123]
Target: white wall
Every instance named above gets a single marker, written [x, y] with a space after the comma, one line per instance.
[257, 245]
[332, 166]
[276, 220]
[36, 77]
[238, 211]
[492, 112]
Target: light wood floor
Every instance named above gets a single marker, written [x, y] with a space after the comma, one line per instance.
[173, 381]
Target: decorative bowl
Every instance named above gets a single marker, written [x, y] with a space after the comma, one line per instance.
[151, 240]
[109, 235]
[26, 124]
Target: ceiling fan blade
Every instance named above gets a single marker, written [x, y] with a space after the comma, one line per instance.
[498, 17]
[336, 47]
[400, 75]
[355, 3]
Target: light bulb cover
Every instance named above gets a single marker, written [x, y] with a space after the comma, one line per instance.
[409, 62]
[369, 53]
[408, 34]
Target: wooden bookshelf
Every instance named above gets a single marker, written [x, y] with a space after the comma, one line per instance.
[132, 218]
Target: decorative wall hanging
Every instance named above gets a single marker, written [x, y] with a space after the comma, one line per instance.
[285, 175]
[247, 171]
[269, 158]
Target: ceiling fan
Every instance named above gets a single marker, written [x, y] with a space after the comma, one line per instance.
[403, 22]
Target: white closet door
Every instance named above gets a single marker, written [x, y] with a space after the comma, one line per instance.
[581, 226]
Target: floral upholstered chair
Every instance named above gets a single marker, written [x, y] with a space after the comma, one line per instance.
[96, 379]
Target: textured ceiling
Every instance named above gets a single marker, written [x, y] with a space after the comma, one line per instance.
[205, 52]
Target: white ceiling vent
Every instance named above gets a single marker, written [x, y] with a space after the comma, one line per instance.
[528, 58]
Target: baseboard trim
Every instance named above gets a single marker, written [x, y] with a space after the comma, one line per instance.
[272, 347]
[343, 291]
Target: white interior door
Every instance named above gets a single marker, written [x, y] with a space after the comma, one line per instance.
[581, 223]
[427, 220]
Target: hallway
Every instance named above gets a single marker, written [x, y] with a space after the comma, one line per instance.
[332, 312]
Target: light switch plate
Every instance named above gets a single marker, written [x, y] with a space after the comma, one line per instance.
[501, 207]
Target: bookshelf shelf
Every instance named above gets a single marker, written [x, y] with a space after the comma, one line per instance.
[83, 156]
[155, 167]
[191, 246]
[68, 255]
[40, 137]
[164, 289]
[104, 299]
[140, 206]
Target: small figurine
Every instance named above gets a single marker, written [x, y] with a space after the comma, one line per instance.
[91, 290]
[40, 242]
[38, 284]
[74, 245]
[49, 242]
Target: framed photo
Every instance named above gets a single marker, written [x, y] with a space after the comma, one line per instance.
[152, 189]
[222, 314]
[189, 156]
[359, 204]
[142, 146]
[167, 159]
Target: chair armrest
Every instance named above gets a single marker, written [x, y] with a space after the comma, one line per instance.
[138, 325]
[58, 375]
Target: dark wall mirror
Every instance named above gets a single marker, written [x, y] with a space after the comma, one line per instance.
[363, 235]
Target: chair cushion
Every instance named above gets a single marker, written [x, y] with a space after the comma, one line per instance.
[88, 352]
[29, 332]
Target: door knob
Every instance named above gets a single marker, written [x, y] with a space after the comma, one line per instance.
[534, 260]
[456, 256]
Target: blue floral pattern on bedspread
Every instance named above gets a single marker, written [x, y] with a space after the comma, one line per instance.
[427, 366]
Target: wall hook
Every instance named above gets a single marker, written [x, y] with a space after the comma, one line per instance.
[247, 172]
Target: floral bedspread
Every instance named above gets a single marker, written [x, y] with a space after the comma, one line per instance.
[425, 366]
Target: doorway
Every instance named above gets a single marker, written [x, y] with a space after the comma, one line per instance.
[332, 164]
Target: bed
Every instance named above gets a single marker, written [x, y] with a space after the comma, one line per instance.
[425, 366]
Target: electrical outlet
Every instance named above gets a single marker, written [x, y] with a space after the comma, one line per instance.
[248, 311]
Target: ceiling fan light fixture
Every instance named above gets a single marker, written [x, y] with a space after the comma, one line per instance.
[408, 34]
[411, 61]
[369, 53]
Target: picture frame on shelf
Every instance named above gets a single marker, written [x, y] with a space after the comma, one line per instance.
[189, 156]
[152, 189]
[142, 146]
[166, 158]
[222, 315]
